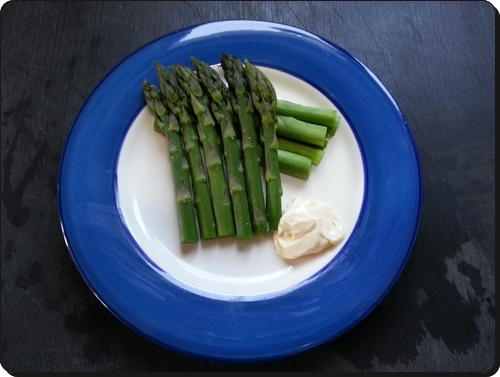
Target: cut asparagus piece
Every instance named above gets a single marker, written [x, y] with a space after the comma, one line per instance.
[221, 199]
[315, 154]
[332, 130]
[311, 114]
[264, 100]
[178, 104]
[235, 75]
[294, 164]
[180, 167]
[301, 131]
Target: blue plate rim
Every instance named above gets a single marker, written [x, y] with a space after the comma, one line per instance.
[253, 350]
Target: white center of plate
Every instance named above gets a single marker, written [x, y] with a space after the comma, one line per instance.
[228, 268]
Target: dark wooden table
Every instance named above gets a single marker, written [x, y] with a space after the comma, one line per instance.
[436, 58]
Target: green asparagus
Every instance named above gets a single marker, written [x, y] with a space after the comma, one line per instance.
[235, 75]
[301, 131]
[321, 116]
[251, 126]
[167, 122]
[264, 99]
[294, 164]
[218, 92]
[178, 104]
[333, 130]
[315, 154]
[209, 138]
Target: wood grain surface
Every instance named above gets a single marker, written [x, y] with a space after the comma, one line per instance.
[438, 61]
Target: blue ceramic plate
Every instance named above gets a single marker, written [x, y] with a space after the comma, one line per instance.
[225, 299]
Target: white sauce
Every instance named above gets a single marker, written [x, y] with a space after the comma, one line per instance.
[306, 227]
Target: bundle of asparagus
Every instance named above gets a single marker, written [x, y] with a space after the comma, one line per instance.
[167, 123]
[219, 136]
[242, 104]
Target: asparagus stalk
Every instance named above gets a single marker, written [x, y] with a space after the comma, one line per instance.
[180, 167]
[264, 99]
[298, 130]
[218, 92]
[178, 104]
[315, 154]
[223, 208]
[310, 114]
[332, 130]
[235, 75]
[294, 164]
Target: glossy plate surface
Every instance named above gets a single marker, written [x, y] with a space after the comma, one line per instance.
[226, 299]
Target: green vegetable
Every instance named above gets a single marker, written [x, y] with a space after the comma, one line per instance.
[310, 114]
[209, 138]
[167, 122]
[332, 130]
[294, 164]
[179, 105]
[301, 131]
[264, 99]
[242, 104]
[220, 137]
[219, 94]
[313, 153]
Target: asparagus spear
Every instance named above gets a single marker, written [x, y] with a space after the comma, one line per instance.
[304, 132]
[264, 99]
[323, 117]
[294, 164]
[315, 154]
[178, 104]
[180, 167]
[235, 75]
[209, 138]
[218, 92]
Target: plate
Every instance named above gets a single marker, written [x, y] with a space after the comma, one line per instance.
[224, 299]
[223, 268]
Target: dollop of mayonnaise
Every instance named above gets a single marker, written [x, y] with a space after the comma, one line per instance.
[307, 227]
